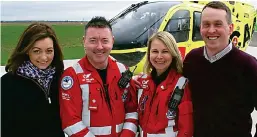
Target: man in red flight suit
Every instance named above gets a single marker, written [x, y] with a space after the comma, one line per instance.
[91, 102]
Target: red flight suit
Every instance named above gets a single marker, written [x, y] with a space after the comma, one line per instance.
[83, 106]
[153, 108]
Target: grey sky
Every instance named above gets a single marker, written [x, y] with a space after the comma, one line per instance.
[60, 10]
[64, 10]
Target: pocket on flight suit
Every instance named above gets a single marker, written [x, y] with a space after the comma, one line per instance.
[94, 96]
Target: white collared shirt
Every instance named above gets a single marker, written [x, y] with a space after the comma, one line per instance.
[218, 55]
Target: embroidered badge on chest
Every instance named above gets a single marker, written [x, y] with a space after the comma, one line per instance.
[142, 103]
[145, 84]
[67, 82]
[87, 78]
[124, 95]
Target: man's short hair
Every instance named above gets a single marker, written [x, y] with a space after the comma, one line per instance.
[98, 22]
[219, 5]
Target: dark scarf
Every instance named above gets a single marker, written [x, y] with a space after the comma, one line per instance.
[43, 77]
[158, 79]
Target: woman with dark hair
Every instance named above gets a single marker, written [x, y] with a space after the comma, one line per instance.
[30, 105]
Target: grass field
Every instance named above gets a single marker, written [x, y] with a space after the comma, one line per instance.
[69, 36]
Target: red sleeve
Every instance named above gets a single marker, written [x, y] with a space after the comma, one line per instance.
[71, 105]
[185, 119]
[131, 118]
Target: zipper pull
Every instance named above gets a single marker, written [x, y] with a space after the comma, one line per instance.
[49, 100]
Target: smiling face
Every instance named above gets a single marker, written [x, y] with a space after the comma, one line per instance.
[98, 43]
[160, 56]
[215, 29]
[42, 53]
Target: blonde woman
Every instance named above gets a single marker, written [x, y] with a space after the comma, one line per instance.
[158, 116]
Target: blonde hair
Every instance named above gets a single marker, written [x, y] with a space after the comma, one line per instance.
[172, 46]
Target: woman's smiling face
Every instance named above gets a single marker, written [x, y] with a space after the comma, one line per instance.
[160, 56]
[42, 53]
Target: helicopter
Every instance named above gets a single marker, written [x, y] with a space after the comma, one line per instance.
[134, 25]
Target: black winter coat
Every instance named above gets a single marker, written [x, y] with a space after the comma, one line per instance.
[26, 111]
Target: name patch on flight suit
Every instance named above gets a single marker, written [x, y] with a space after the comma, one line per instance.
[67, 82]
[92, 105]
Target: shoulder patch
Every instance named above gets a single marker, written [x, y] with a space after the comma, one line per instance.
[67, 82]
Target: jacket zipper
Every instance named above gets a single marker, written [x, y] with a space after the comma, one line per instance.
[116, 96]
[46, 92]
[107, 96]
[156, 113]
[154, 94]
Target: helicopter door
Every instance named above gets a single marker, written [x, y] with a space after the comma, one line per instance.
[179, 27]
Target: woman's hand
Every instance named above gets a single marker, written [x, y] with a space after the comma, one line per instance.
[135, 78]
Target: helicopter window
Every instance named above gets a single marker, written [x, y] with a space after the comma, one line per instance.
[196, 27]
[138, 24]
[179, 25]
[144, 16]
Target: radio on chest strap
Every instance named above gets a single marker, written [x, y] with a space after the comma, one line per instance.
[176, 97]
